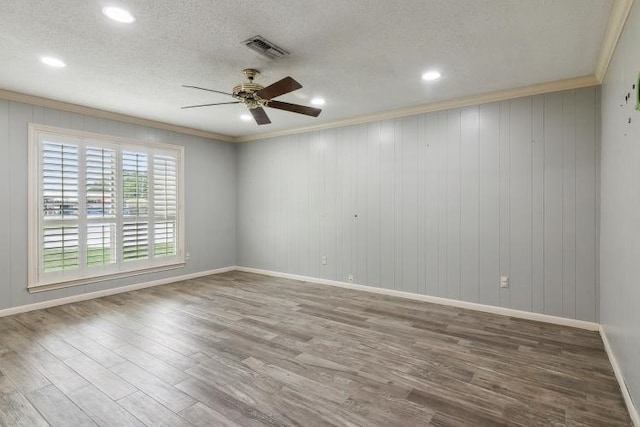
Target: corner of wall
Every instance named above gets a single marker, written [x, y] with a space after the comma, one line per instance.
[617, 370]
[236, 206]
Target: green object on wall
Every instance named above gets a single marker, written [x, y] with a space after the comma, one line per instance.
[638, 93]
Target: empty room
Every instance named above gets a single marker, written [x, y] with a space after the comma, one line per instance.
[315, 213]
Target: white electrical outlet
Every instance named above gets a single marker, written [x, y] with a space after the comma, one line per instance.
[504, 281]
[324, 260]
[188, 256]
[351, 278]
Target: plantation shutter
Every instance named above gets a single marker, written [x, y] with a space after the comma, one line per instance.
[165, 204]
[101, 196]
[60, 178]
[135, 184]
[101, 182]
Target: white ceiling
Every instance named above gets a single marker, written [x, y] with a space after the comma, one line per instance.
[362, 56]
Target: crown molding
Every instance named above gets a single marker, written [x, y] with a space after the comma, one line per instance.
[617, 18]
[502, 95]
[90, 111]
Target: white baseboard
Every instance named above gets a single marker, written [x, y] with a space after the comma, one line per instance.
[437, 300]
[591, 326]
[633, 412]
[427, 298]
[107, 292]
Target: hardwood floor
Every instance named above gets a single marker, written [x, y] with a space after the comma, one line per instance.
[250, 350]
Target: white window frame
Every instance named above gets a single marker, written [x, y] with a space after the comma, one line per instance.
[38, 280]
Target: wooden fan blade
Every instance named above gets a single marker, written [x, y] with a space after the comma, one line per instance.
[207, 105]
[208, 90]
[295, 108]
[260, 115]
[280, 87]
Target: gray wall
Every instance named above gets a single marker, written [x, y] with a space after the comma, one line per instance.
[620, 221]
[445, 202]
[210, 175]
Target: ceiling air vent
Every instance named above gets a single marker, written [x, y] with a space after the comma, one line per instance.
[264, 47]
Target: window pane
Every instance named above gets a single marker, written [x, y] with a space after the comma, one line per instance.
[164, 238]
[135, 240]
[101, 244]
[135, 183]
[59, 180]
[101, 182]
[60, 248]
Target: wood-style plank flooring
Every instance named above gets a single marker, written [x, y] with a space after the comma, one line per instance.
[250, 350]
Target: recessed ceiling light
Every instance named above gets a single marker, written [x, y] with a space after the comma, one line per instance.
[431, 75]
[53, 62]
[118, 14]
[246, 117]
[317, 101]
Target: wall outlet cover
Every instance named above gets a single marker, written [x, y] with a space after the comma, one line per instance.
[504, 281]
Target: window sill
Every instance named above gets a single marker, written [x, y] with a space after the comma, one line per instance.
[85, 281]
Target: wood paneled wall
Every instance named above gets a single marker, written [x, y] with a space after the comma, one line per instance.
[441, 204]
[620, 225]
[210, 174]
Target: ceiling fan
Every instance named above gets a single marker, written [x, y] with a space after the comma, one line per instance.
[256, 96]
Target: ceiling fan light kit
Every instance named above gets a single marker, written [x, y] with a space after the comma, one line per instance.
[255, 96]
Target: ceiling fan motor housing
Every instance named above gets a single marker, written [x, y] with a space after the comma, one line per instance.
[246, 92]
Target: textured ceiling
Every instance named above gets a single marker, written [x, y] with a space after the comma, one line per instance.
[362, 56]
